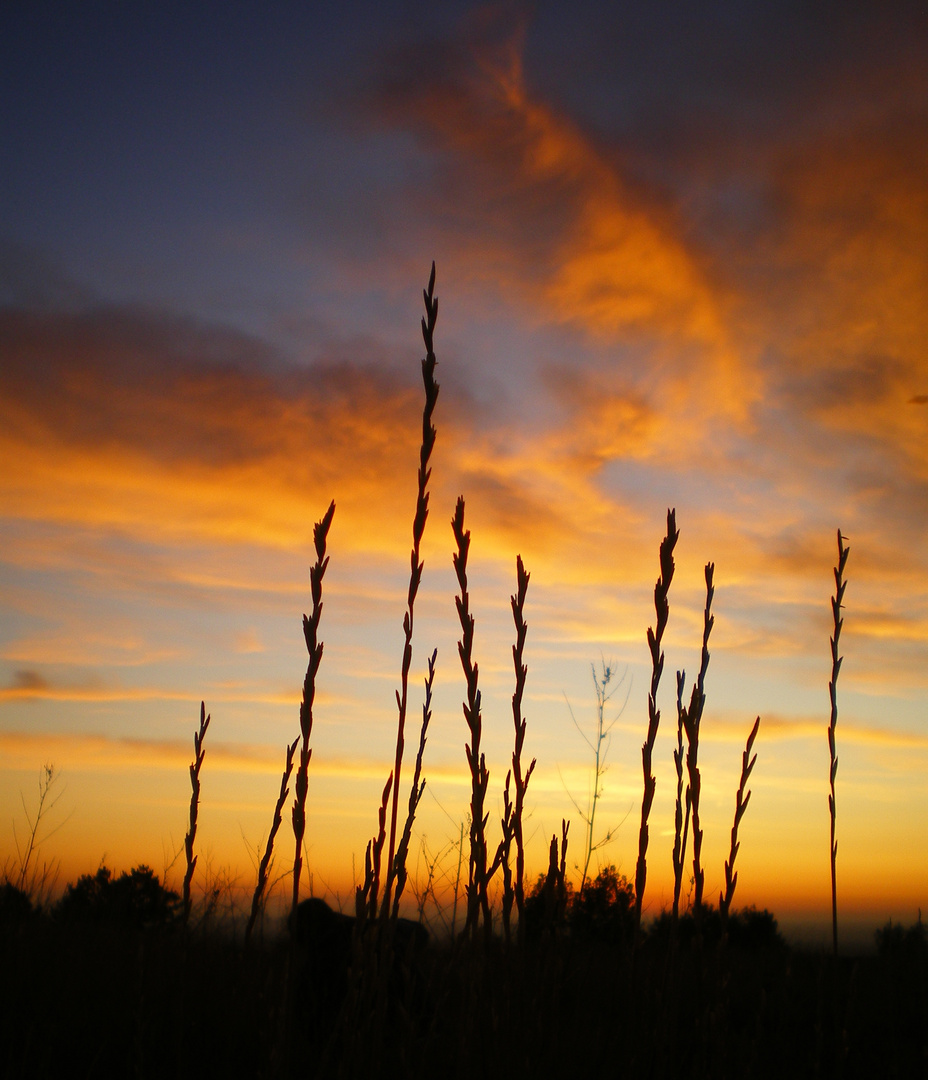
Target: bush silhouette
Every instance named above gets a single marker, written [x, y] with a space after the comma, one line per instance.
[604, 910]
[15, 905]
[747, 929]
[136, 899]
[894, 939]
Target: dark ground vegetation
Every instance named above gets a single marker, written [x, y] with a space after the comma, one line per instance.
[110, 982]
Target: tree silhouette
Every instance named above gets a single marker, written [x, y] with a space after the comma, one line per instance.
[136, 898]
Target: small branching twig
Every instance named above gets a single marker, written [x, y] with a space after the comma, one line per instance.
[662, 609]
[837, 602]
[599, 746]
[415, 575]
[269, 848]
[39, 882]
[314, 648]
[741, 805]
[195, 767]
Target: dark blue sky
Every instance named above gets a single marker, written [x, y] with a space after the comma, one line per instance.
[191, 155]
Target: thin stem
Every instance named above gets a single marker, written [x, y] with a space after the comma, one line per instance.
[314, 648]
[416, 790]
[477, 898]
[415, 574]
[269, 848]
[680, 829]
[741, 805]
[692, 718]
[837, 602]
[662, 609]
[517, 601]
[195, 767]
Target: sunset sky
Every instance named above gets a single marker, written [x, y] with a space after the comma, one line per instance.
[682, 261]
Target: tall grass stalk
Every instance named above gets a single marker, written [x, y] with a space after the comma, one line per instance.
[314, 648]
[415, 574]
[836, 604]
[368, 894]
[477, 877]
[416, 790]
[517, 601]
[511, 822]
[681, 819]
[741, 805]
[692, 718]
[261, 884]
[662, 609]
[199, 754]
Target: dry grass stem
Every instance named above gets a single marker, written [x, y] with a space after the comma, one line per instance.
[269, 847]
[478, 877]
[367, 895]
[195, 767]
[692, 718]
[415, 791]
[681, 817]
[837, 602]
[314, 648]
[741, 805]
[662, 609]
[517, 601]
[415, 575]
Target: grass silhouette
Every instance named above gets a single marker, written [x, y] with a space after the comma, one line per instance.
[91, 987]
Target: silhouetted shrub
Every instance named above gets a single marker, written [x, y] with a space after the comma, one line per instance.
[894, 939]
[544, 912]
[15, 905]
[136, 898]
[747, 929]
[605, 909]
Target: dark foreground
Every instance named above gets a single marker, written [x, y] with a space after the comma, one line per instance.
[97, 999]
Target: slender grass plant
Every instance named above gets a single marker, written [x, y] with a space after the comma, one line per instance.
[662, 609]
[264, 867]
[314, 648]
[416, 790]
[692, 719]
[415, 574]
[199, 754]
[517, 892]
[741, 805]
[837, 602]
[477, 879]
[681, 816]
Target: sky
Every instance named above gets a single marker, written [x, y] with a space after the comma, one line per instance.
[682, 262]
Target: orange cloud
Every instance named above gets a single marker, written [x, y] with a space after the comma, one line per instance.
[107, 422]
[560, 227]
